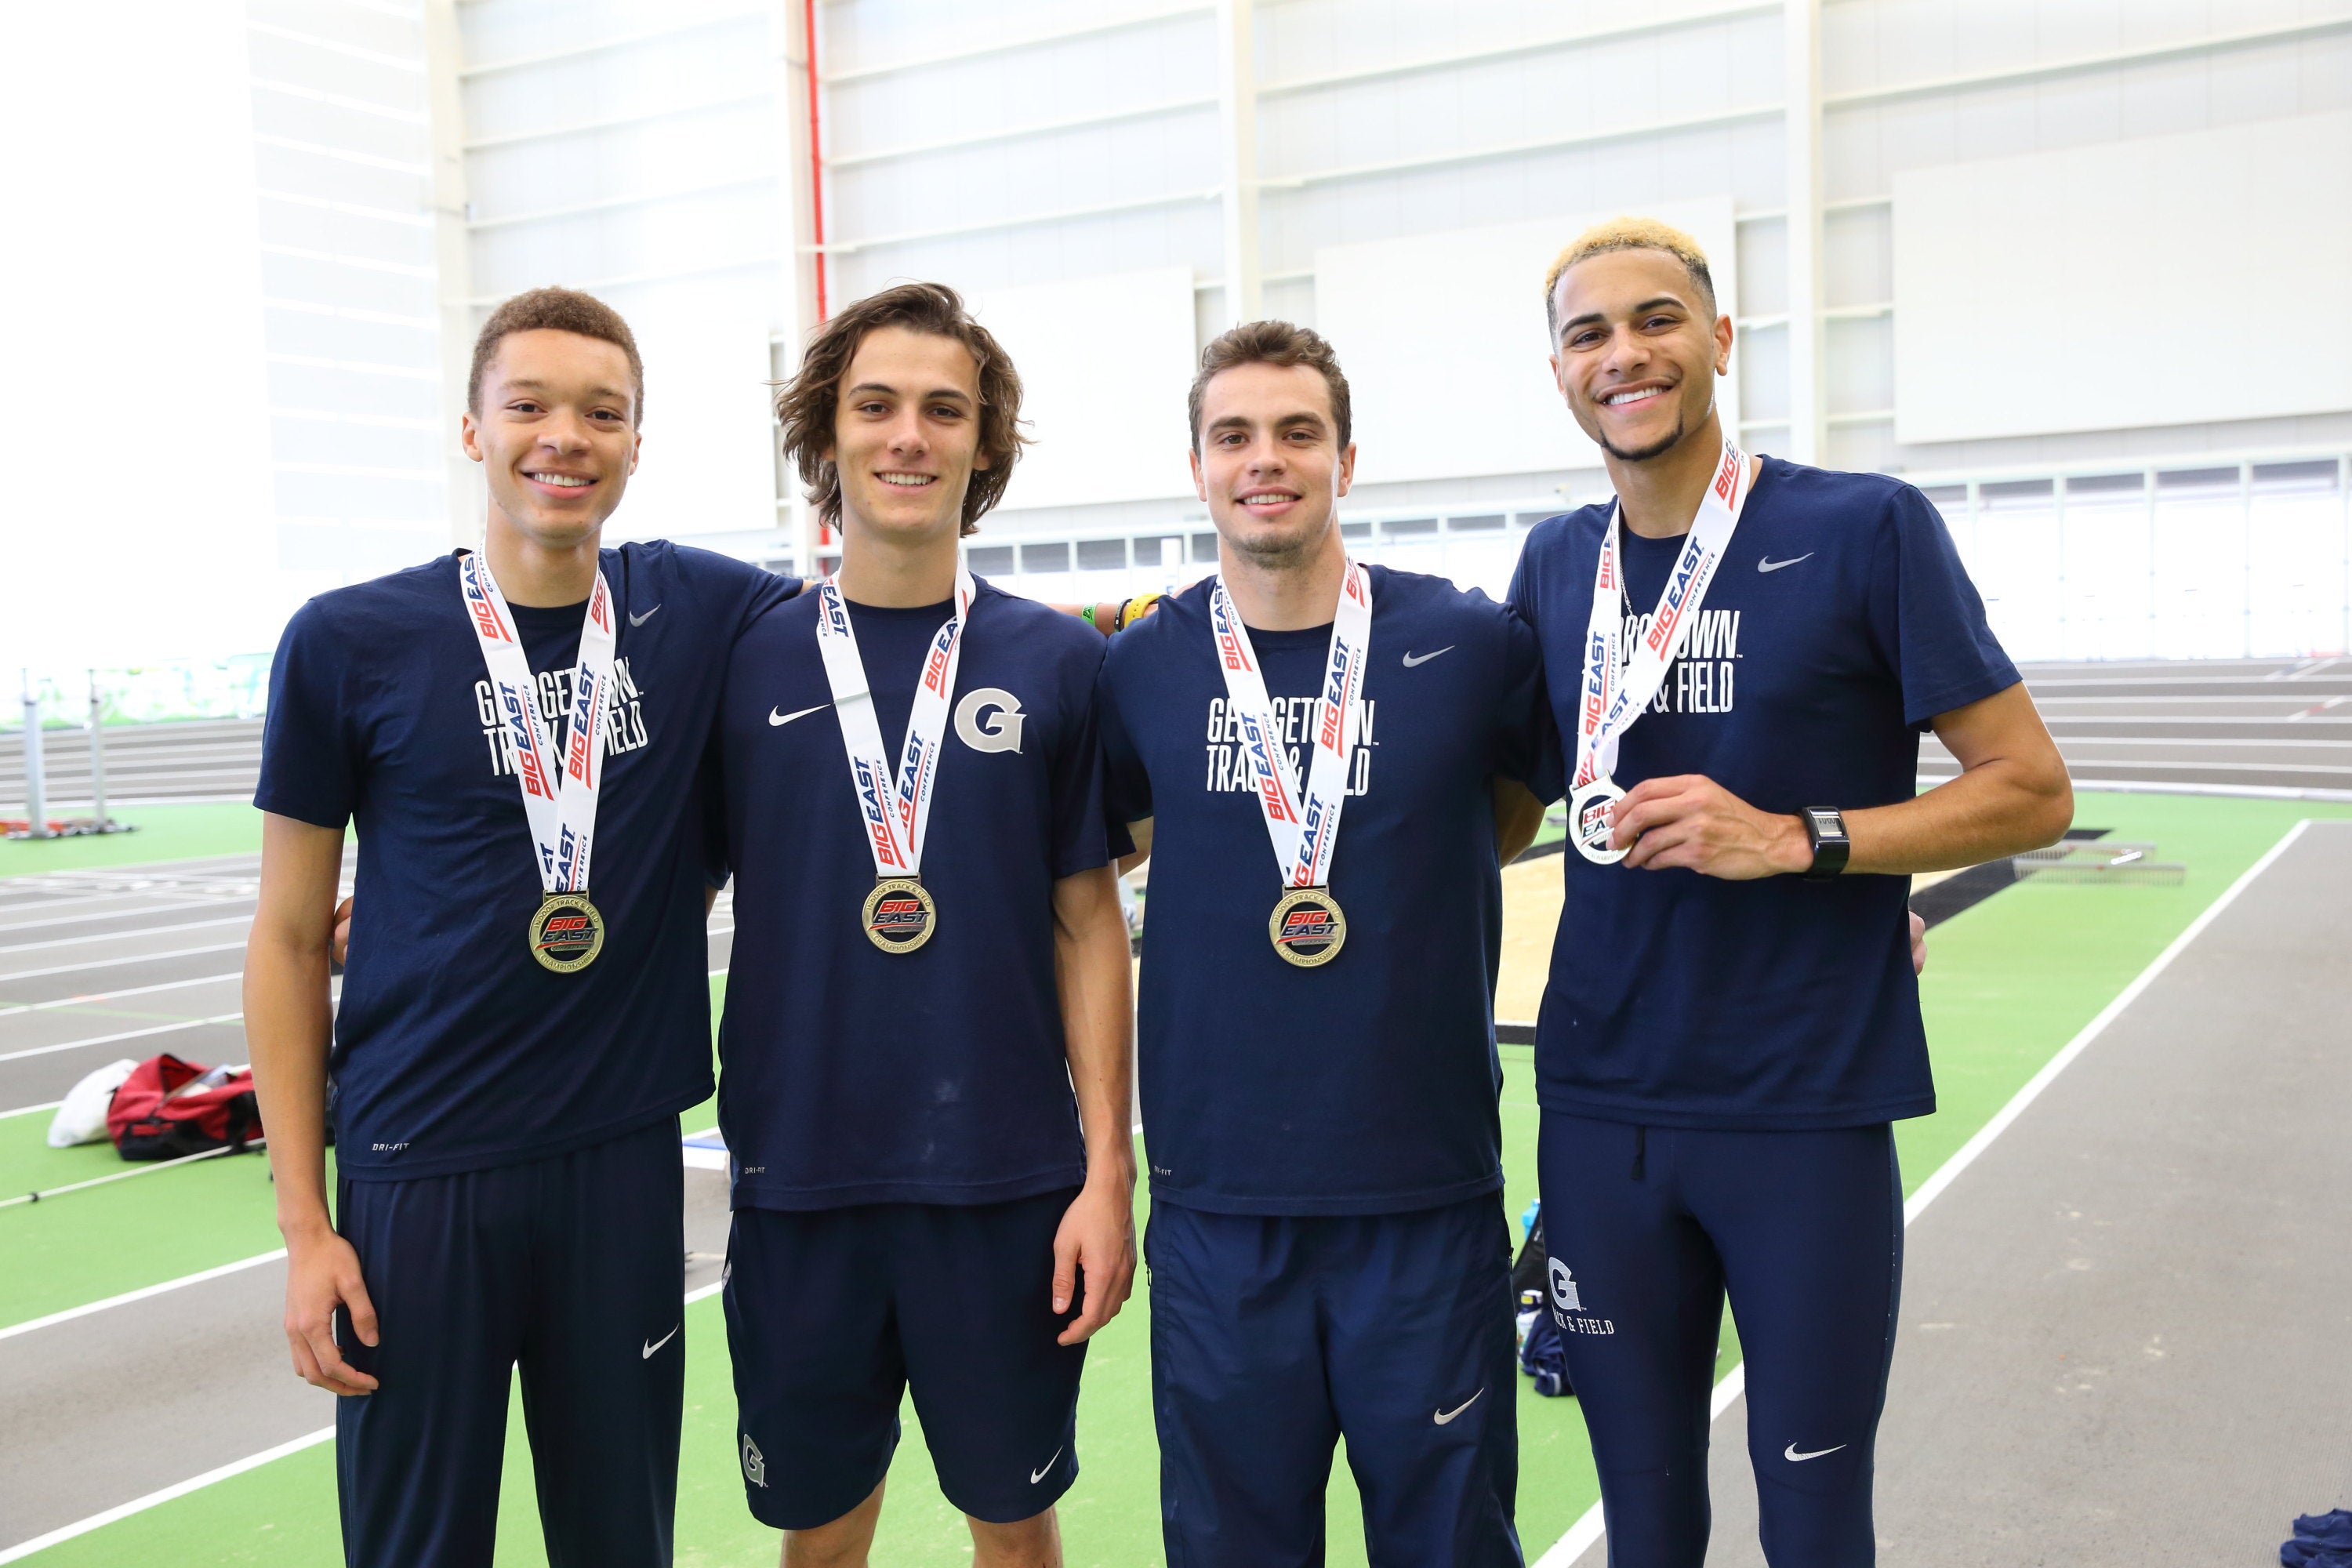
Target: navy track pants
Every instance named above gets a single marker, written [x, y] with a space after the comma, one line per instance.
[572, 1267]
[1649, 1229]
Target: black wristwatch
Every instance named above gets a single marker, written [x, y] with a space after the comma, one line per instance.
[1825, 830]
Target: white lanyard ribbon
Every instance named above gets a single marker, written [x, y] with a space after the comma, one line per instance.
[559, 796]
[1617, 691]
[897, 808]
[1302, 824]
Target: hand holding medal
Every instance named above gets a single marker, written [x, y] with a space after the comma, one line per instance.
[1617, 691]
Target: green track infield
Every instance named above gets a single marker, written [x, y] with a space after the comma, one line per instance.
[192, 831]
[2008, 982]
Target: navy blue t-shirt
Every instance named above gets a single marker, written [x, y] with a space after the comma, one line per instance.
[1839, 623]
[454, 1050]
[1367, 1085]
[854, 1075]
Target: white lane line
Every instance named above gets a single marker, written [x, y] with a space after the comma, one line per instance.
[85, 998]
[1588, 1531]
[117, 963]
[140, 1505]
[24, 1549]
[115, 914]
[125, 1035]
[29, 1109]
[141, 1294]
[9, 947]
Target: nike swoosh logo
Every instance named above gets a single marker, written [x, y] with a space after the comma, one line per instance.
[1766, 564]
[776, 718]
[659, 1342]
[1412, 661]
[1790, 1453]
[1039, 1473]
[1442, 1416]
[650, 615]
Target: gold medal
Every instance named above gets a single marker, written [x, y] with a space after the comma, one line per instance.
[899, 914]
[1307, 927]
[566, 933]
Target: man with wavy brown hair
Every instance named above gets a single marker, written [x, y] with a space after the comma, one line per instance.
[926, 1081]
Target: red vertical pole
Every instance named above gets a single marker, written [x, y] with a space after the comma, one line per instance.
[817, 153]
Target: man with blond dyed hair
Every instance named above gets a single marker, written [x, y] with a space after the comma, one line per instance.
[1741, 654]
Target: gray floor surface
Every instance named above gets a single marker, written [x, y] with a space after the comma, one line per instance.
[2127, 1329]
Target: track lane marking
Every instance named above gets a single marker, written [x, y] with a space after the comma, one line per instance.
[142, 1294]
[178, 1489]
[9, 947]
[115, 914]
[118, 962]
[1590, 1530]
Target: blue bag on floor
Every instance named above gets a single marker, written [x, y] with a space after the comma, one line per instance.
[2321, 1541]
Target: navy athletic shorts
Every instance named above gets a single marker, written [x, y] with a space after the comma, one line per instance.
[572, 1269]
[834, 1314]
[1648, 1230]
[1273, 1337]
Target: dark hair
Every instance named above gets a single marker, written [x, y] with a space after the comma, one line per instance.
[1276, 344]
[806, 404]
[558, 311]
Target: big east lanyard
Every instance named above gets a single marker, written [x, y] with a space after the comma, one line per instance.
[899, 914]
[1617, 691]
[559, 796]
[1307, 928]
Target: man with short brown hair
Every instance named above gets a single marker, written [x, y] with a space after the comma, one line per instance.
[1328, 1249]
[517, 734]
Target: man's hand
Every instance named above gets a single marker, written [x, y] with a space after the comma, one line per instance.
[322, 1273]
[1096, 1244]
[1919, 942]
[1691, 821]
[342, 942]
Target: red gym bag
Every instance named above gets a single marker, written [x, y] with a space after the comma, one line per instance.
[168, 1109]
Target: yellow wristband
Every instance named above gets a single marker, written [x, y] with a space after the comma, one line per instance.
[1134, 609]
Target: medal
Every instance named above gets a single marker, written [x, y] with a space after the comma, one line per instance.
[559, 793]
[1618, 689]
[1307, 928]
[566, 933]
[899, 915]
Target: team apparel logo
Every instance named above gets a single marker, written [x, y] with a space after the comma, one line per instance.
[755, 1463]
[566, 933]
[899, 915]
[989, 720]
[1564, 1294]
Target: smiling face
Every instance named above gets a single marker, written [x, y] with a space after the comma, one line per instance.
[906, 434]
[1638, 350]
[555, 433]
[1270, 464]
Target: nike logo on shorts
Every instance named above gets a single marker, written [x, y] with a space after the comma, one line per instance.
[657, 1345]
[1415, 662]
[1766, 564]
[1791, 1454]
[776, 718]
[641, 620]
[1442, 1416]
[1039, 1474]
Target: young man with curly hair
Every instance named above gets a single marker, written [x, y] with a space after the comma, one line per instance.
[925, 1083]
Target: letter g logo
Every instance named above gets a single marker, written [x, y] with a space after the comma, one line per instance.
[999, 731]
